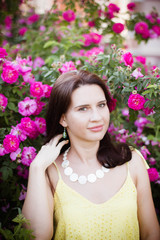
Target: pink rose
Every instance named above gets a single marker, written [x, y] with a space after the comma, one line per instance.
[22, 31]
[42, 28]
[36, 89]
[8, 22]
[41, 124]
[142, 28]
[158, 20]
[67, 66]
[152, 161]
[96, 38]
[27, 107]
[47, 90]
[3, 53]
[137, 73]
[28, 154]
[125, 112]
[40, 106]
[131, 6]
[146, 34]
[15, 155]
[18, 132]
[141, 59]
[91, 23]
[87, 40]
[156, 29]
[153, 174]
[32, 19]
[93, 51]
[112, 105]
[141, 122]
[109, 14]
[69, 16]
[145, 152]
[113, 7]
[11, 143]
[29, 127]
[118, 27]
[28, 77]
[136, 101]
[127, 59]
[21, 65]
[148, 111]
[3, 102]
[9, 74]
[151, 18]
[38, 62]
[3, 151]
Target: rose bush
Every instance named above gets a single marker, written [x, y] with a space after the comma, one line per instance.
[145, 26]
[29, 65]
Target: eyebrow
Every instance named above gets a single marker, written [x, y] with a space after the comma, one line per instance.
[87, 105]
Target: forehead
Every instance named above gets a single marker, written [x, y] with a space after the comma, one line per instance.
[86, 94]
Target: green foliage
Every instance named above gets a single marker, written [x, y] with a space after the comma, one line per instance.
[58, 43]
[18, 232]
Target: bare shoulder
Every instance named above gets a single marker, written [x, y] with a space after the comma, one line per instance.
[138, 166]
[138, 160]
[53, 173]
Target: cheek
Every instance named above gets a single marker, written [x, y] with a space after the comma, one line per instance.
[76, 121]
[106, 114]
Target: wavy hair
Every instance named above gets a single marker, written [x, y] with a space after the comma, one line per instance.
[108, 154]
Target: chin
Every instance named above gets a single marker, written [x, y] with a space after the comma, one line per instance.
[97, 137]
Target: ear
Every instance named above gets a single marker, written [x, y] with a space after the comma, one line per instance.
[63, 121]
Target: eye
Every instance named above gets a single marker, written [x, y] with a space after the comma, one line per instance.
[102, 105]
[82, 109]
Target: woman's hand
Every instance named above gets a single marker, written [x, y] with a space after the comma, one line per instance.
[49, 153]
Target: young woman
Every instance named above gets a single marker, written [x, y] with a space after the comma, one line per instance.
[83, 187]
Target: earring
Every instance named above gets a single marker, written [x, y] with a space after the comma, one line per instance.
[64, 133]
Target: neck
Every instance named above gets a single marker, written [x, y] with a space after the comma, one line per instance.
[85, 153]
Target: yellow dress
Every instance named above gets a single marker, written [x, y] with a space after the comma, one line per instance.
[76, 218]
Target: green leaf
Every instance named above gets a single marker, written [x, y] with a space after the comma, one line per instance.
[51, 43]
[146, 104]
[145, 92]
[132, 115]
[20, 93]
[20, 219]
[7, 234]
[11, 106]
[6, 172]
[151, 104]
[152, 86]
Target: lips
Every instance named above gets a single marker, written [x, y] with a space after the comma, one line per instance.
[96, 128]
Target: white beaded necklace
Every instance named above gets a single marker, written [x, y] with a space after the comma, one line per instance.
[68, 171]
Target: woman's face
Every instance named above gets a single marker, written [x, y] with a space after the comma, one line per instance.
[87, 118]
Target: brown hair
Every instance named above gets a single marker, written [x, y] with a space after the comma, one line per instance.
[59, 103]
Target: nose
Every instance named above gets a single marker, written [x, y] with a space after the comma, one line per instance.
[95, 115]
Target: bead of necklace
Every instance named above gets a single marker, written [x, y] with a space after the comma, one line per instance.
[91, 178]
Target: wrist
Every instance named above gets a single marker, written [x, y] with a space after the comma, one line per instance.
[37, 168]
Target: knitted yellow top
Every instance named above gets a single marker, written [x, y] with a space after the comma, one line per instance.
[76, 218]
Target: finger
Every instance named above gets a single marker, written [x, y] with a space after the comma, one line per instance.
[55, 140]
[61, 144]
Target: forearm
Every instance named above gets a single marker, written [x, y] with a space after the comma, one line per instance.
[36, 206]
[153, 237]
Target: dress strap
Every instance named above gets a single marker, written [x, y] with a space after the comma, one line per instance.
[59, 175]
[144, 161]
[128, 172]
